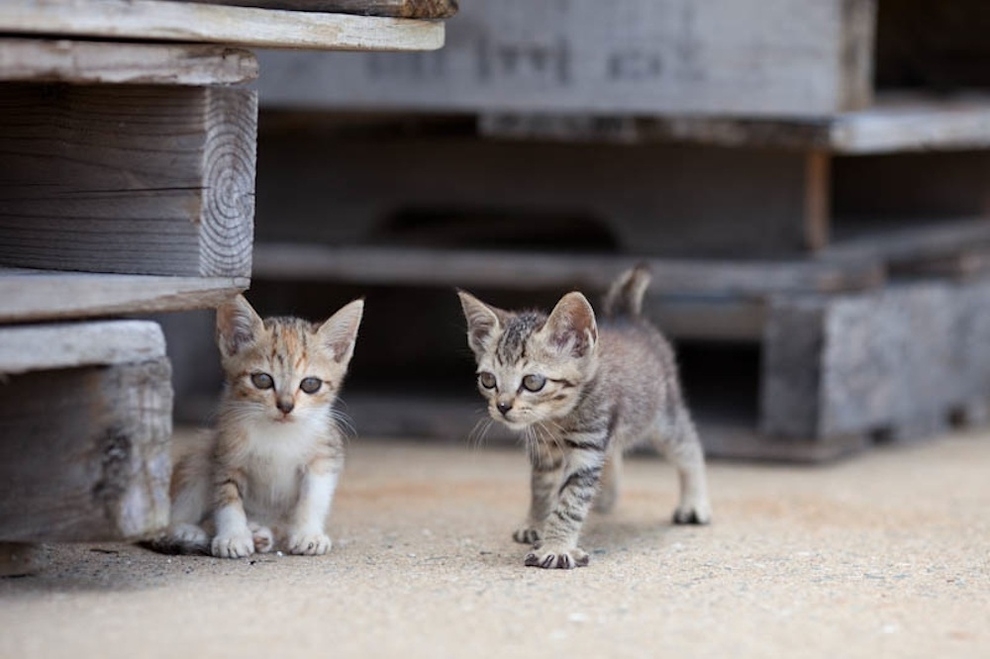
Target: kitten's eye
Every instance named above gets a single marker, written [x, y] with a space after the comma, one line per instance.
[487, 380]
[262, 380]
[534, 382]
[311, 385]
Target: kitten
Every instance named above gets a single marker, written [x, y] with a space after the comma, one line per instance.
[266, 478]
[580, 394]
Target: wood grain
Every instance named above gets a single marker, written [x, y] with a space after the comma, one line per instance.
[26, 348]
[31, 295]
[426, 9]
[84, 454]
[157, 20]
[84, 62]
[137, 179]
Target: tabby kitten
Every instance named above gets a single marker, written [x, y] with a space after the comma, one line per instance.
[580, 394]
[266, 478]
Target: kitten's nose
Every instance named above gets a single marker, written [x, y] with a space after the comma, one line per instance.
[503, 407]
[284, 405]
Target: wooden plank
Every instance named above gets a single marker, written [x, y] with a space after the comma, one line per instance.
[31, 295]
[743, 57]
[26, 348]
[896, 123]
[426, 9]
[903, 243]
[85, 62]
[138, 179]
[531, 271]
[899, 363]
[818, 206]
[84, 453]
[155, 20]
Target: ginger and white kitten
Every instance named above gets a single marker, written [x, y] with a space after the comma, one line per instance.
[266, 478]
[581, 394]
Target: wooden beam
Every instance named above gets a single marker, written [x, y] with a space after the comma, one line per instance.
[897, 122]
[157, 20]
[530, 271]
[30, 295]
[426, 9]
[85, 62]
[738, 57]
[817, 195]
[84, 453]
[139, 179]
[26, 348]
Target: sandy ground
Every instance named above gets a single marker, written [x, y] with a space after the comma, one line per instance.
[887, 554]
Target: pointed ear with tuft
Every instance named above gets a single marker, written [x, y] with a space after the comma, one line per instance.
[339, 333]
[238, 326]
[483, 321]
[571, 327]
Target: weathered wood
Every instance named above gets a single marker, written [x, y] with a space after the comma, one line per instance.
[657, 200]
[157, 20]
[84, 62]
[818, 201]
[428, 9]
[139, 179]
[31, 295]
[84, 453]
[752, 57]
[896, 123]
[529, 271]
[26, 348]
[898, 363]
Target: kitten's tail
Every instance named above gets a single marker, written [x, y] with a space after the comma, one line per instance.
[625, 295]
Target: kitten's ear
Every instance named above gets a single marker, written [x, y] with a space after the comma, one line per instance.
[483, 321]
[571, 326]
[339, 333]
[238, 326]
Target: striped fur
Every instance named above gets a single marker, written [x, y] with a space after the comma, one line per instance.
[604, 389]
[266, 478]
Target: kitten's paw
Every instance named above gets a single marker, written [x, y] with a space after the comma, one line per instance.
[263, 539]
[699, 513]
[238, 545]
[526, 535]
[560, 558]
[309, 544]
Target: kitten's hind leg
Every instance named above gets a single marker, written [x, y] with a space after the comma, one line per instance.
[679, 442]
[611, 474]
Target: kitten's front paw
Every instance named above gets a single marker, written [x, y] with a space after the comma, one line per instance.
[239, 545]
[263, 539]
[560, 558]
[696, 513]
[526, 535]
[309, 544]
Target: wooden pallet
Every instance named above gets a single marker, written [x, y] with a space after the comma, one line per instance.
[127, 187]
